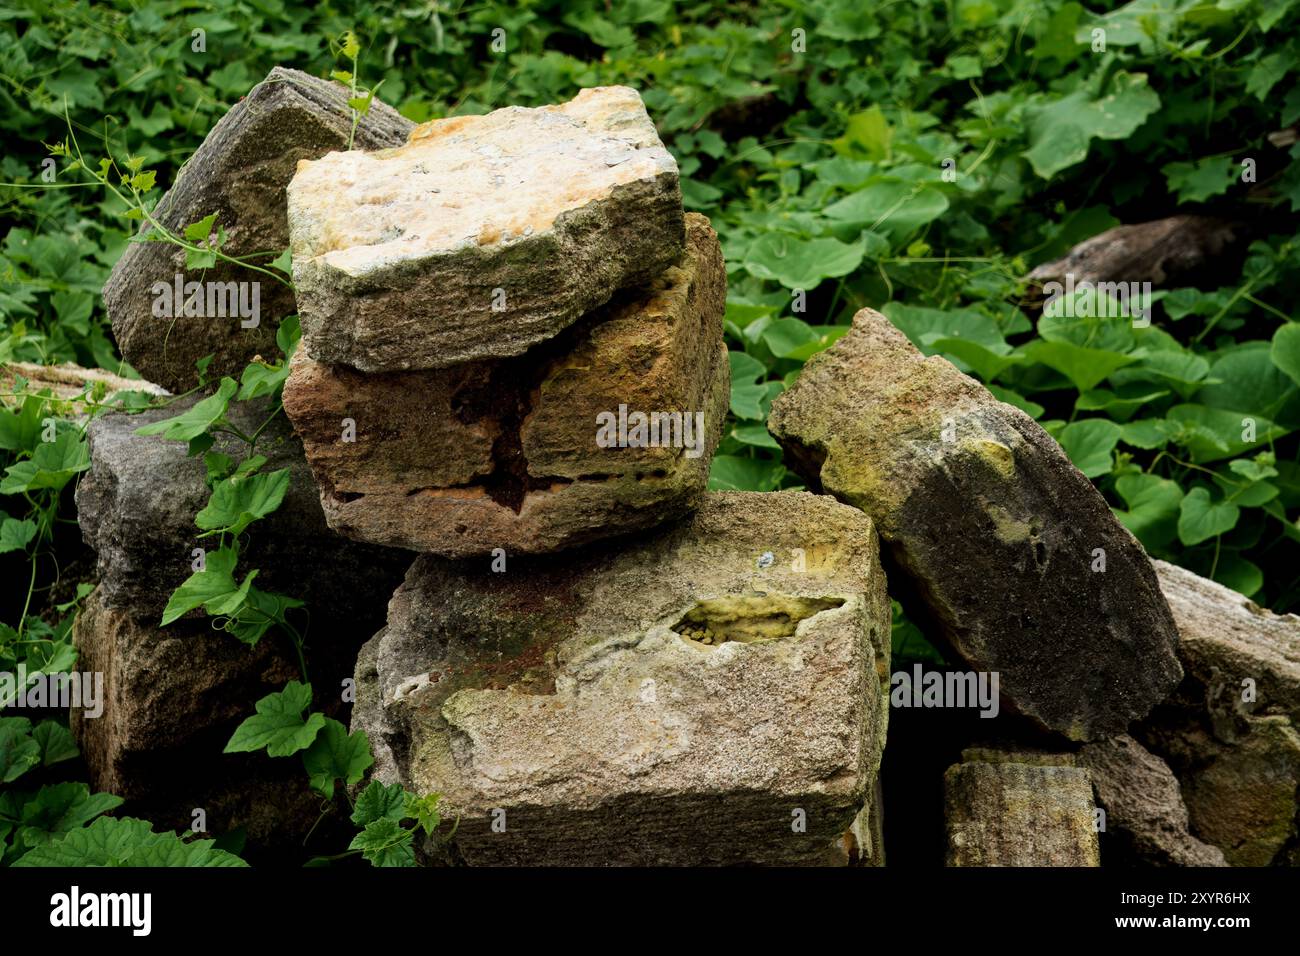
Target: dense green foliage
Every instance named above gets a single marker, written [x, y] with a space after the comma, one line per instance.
[919, 157]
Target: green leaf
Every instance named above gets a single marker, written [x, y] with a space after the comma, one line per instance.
[1197, 182]
[196, 260]
[733, 473]
[1057, 40]
[1032, 409]
[288, 335]
[61, 808]
[745, 369]
[1214, 433]
[755, 435]
[971, 356]
[337, 755]
[424, 810]
[52, 465]
[1120, 404]
[801, 263]
[926, 327]
[1268, 72]
[1254, 469]
[867, 133]
[199, 231]
[1061, 132]
[278, 724]
[1183, 370]
[218, 466]
[15, 535]
[260, 611]
[123, 841]
[384, 843]
[1200, 518]
[1243, 576]
[1146, 433]
[55, 741]
[379, 801]
[20, 430]
[1286, 350]
[18, 751]
[1245, 378]
[250, 465]
[1084, 367]
[1089, 443]
[747, 400]
[786, 336]
[212, 587]
[1152, 513]
[890, 206]
[239, 501]
[198, 419]
[1110, 332]
[283, 262]
[1254, 494]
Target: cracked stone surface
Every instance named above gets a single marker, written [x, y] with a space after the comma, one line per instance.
[569, 693]
[505, 454]
[994, 530]
[1004, 813]
[1146, 818]
[483, 235]
[240, 172]
[136, 507]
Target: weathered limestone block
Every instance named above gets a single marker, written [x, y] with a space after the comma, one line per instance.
[1004, 813]
[1230, 731]
[164, 685]
[1242, 797]
[510, 453]
[995, 529]
[172, 697]
[694, 698]
[240, 173]
[1226, 640]
[137, 504]
[483, 235]
[1146, 818]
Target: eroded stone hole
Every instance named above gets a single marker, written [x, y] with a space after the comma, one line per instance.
[749, 618]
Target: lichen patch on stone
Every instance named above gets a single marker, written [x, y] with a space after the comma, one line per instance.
[748, 618]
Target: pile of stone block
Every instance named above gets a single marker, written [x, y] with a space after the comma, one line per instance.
[475, 302]
[512, 365]
[512, 362]
[512, 356]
